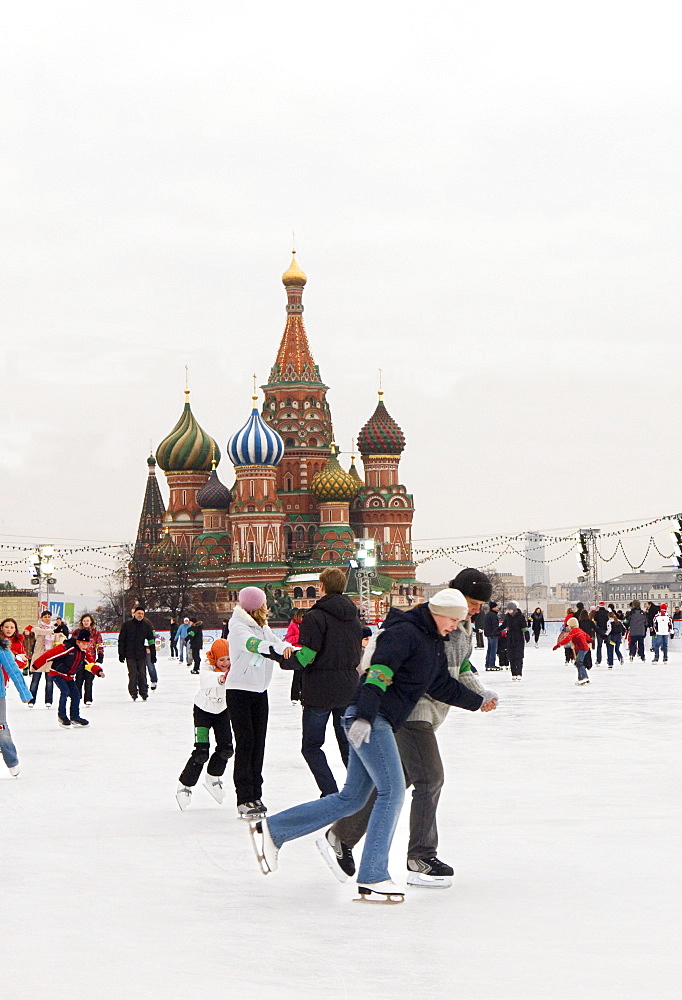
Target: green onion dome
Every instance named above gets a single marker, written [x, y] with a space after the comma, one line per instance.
[381, 435]
[333, 483]
[188, 448]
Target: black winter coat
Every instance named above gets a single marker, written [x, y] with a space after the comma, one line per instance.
[491, 624]
[195, 636]
[134, 639]
[333, 631]
[515, 624]
[538, 622]
[601, 619]
[410, 645]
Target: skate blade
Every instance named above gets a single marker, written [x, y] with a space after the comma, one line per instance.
[183, 802]
[429, 881]
[327, 852]
[381, 898]
[258, 849]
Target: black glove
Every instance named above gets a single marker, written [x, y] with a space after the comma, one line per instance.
[285, 664]
[121, 659]
[100, 656]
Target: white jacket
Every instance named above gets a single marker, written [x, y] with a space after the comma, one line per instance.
[250, 671]
[211, 693]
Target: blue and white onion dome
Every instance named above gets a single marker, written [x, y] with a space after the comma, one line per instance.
[255, 443]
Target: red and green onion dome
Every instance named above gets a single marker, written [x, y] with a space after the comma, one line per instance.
[214, 495]
[332, 483]
[354, 474]
[188, 448]
[381, 435]
[165, 551]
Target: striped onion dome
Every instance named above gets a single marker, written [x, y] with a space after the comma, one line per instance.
[188, 448]
[381, 435]
[214, 495]
[255, 443]
[332, 482]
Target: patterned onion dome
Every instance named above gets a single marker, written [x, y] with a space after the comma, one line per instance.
[333, 482]
[293, 274]
[188, 448]
[165, 549]
[381, 434]
[213, 495]
[255, 443]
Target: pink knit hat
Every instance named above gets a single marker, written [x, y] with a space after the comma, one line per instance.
[252, 598]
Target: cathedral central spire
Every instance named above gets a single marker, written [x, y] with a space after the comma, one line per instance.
[294, 362]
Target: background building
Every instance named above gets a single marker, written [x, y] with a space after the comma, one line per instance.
[537, 570]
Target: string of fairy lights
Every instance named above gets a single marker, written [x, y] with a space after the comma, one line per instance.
[101, 561]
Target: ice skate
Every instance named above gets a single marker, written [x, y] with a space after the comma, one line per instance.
[79, 723]
[337, 855]
[251, 811]
[264, 846]
[63, 721]
[380, 892]
[14, 771]
[184, 796]
[429, 873]
[214, 787]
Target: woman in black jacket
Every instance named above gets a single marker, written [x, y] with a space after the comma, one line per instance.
[516, 628]
[537, 621]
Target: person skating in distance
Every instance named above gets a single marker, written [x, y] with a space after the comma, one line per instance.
[64, 661]
[408, 661]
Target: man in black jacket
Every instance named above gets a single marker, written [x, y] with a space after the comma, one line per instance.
[134, 639]
[491, 630]
[601, 621]
[331, 637]
[195, 638]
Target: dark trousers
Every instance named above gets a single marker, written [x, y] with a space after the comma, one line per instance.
[35, 682]
[516, 651]
[84, 679]
[536, 634]
[249, 716]
[601, 640]
[423, 767]
[68, 689]
[637, 646]
[137, 676]
[195, 659]
[203, 723]
[613, 647]
[314, 732]
[480, 644]
[174, 646]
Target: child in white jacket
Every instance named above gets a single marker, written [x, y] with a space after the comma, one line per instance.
[210, 712]
[251, 642]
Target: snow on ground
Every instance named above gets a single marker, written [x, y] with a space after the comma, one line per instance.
[561, 814]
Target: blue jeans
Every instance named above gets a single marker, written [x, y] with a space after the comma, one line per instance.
[183, 646]
[491, 653]
[376, 763]
[68, 689]
[580, 664]
[613, 649]
[314, 731]
[7, 747]
[35, 682]
[151, 667]
[660, 642]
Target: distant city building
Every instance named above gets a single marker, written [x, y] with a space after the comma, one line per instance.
[662, 585]
[537, 570]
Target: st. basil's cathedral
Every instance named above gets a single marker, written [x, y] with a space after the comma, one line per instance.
[292, 510]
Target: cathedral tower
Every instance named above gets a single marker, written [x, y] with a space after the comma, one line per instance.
[150, 528]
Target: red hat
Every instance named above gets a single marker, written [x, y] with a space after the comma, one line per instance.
[664, 606]
[29, 628]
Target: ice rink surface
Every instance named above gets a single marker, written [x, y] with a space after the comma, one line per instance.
[561, 813]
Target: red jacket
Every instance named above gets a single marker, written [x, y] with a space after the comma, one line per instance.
[580, 640]
[67, 660]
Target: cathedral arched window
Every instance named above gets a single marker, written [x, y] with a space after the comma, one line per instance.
[289, 443]
[310, 593]
[313, 442]
[289, 484]
[298, 593]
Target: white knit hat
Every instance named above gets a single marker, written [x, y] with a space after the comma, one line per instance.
[449, 603]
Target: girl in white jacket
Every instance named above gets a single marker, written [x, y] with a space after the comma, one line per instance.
[210, 712]
[250, 641]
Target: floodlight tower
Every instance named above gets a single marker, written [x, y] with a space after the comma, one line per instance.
[364, 565]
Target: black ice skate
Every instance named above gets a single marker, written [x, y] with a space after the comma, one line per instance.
[251, 811]
[337, 855]
[380, 892]
[264, 847]
[429, 873]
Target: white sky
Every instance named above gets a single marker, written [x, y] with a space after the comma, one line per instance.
[486, 201]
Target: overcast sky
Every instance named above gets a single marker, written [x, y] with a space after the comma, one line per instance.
[486, 200]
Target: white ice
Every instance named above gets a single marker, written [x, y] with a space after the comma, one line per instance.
[561, 813]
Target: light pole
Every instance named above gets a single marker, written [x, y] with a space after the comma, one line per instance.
[364, 564]
[43, 568]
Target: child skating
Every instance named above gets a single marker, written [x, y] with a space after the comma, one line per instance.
[64, 661]
[580, 643]
[210, 712]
